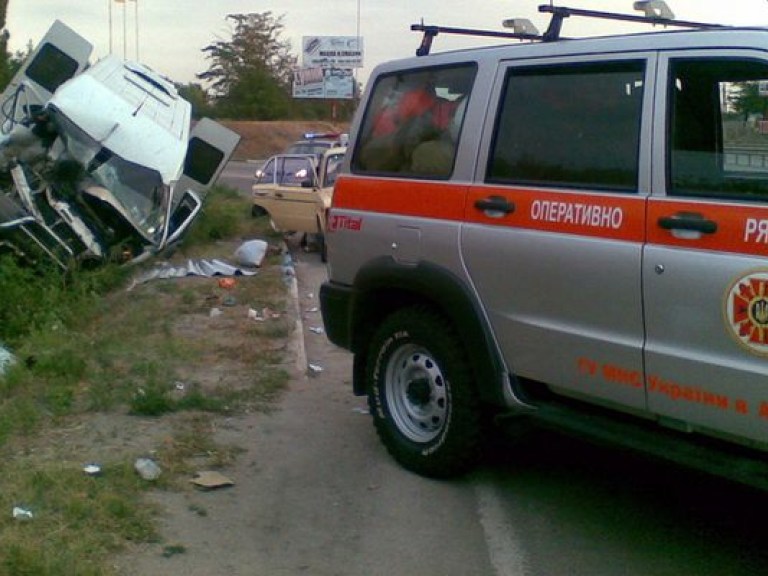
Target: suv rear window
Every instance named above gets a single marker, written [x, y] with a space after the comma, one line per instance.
[413, 122]
[575, 126]
[718, 137]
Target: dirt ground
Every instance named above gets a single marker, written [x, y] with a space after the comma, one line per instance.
[206, 527]
[262, 139]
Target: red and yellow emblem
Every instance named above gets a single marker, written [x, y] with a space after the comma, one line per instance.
[746, 310]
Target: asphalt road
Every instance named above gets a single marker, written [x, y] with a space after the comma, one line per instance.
[239, 174]
[317, 494]
[540, 504]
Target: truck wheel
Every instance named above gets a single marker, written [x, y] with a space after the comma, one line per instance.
[421, 395]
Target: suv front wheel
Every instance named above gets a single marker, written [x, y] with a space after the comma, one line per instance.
[421, 396]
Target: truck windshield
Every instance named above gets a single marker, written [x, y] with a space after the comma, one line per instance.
[137, 191]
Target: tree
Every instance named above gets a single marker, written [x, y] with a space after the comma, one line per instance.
[746, 99]
[250, 75]
[197, 97]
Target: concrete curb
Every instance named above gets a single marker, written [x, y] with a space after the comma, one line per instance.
[289, 275]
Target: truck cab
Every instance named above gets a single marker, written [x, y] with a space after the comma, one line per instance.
[99, 160]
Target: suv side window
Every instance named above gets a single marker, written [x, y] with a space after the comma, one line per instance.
[413, 122]
[575, 126]
[718, 133]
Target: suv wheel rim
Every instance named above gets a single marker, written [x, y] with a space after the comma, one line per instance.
[416, 393]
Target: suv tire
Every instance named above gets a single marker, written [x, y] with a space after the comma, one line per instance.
[420, 393]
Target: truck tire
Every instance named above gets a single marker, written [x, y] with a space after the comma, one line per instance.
[421, 395]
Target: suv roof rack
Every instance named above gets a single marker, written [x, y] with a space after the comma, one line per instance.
[431, 31]
[656, 13]
[560, 13]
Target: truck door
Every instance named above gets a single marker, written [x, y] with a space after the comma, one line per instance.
[210, 147]
[705, 271]
[61, 54]
[555, 233]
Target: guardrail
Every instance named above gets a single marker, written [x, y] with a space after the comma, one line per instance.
[746, 159]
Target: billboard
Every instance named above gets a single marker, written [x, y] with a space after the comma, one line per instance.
[317, 82]
[332, 51]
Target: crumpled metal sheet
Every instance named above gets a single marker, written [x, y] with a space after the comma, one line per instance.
[203, 267]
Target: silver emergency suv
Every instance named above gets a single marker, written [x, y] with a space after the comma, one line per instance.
[571, 230]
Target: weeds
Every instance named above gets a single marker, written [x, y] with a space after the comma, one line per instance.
[84, 344]
[76, 519]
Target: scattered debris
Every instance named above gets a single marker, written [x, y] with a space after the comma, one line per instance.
[20, 513]
[229, 301]
[215, 312]
[289, 271]
[255, 315]
[6, 359]
[270, 314]
[227, 283]
[359, 410]
[313, 310]
[251, 253]
[210, 480]
[265, 313]
[147, 468]
[92, 469]
[315, 369]
[317, 330]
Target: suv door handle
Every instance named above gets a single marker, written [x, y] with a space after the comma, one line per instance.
[497, 204]
[688, 221]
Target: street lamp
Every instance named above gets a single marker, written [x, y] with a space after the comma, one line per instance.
[125, 26]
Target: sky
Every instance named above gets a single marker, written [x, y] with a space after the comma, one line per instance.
[172, 33]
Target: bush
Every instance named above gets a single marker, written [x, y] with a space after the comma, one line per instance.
[43, 297]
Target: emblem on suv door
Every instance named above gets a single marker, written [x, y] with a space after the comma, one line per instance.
[746, 311]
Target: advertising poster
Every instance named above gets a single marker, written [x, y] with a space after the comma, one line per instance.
[332, 51]
[317, 82]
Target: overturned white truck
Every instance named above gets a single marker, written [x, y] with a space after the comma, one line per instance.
[98, 162]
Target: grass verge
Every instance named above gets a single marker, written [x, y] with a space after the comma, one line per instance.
[111, 373]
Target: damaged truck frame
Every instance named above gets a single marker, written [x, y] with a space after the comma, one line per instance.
[98, 162]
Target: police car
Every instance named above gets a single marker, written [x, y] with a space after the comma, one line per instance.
[317, 143]
[574, 230]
